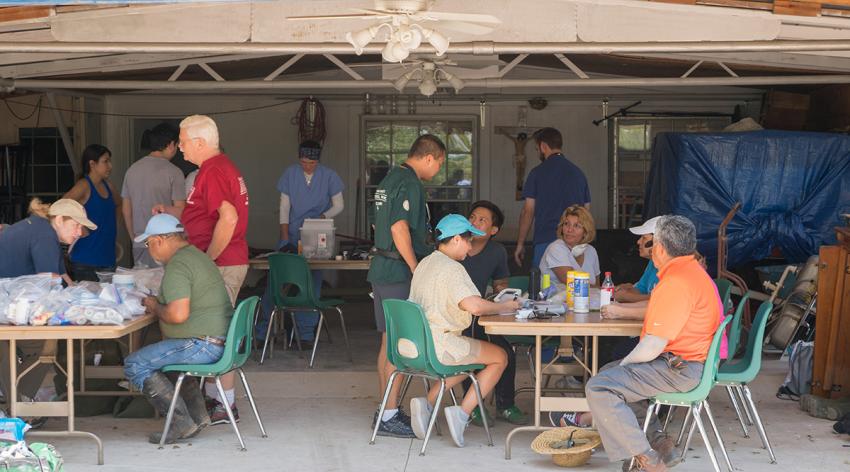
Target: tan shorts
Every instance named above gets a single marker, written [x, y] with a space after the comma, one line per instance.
[233, 277]
[471, 358]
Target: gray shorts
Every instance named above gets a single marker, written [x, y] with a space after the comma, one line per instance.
[380, 293]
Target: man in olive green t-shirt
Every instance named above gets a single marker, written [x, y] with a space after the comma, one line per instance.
[194, 312]
[401, 239]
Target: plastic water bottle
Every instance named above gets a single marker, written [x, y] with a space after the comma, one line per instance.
[606, 293]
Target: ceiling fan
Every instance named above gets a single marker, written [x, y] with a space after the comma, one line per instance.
[416, 11]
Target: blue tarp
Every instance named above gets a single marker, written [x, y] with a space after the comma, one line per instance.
[793, 187]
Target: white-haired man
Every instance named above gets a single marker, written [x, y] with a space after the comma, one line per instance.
[216, 220]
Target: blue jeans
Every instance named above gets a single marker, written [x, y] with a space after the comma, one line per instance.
[143, 363]
[306, 320]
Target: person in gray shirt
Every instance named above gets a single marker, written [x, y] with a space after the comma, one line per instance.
[150, 181]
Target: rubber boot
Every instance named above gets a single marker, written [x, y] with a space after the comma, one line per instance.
[191, 394]
[160, 393]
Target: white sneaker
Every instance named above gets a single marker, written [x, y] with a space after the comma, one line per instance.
[458, 420]
[420, 415]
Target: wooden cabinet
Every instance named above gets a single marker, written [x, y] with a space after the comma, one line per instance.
[831, 366]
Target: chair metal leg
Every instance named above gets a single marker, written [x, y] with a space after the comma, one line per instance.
[170, 414]
[383, 405]
[433, 419]
[229, 412]
[759, 425]
[670, 410]
[344, 333]
[717, 436]
[251, 401]
[696, 414]
[481, 406]
[691, 427]
[454, 398]
[649, 413]
[733, 398]
[316, 339]
[747, 412]
[268, 337]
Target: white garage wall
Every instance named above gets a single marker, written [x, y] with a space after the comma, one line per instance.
[263, 142]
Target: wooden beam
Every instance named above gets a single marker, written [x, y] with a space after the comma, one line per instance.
[796, 7]
[24, 13]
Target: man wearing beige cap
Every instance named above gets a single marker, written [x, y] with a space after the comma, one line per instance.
[33, 246]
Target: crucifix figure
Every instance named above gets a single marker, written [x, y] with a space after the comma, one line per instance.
[520, 136]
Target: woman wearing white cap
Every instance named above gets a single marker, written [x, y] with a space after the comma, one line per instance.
[33, 245]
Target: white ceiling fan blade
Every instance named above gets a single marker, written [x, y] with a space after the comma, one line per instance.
[467, 17]
[463, 27]
[353, 16]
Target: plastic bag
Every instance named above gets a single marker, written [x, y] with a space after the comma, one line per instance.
[13, 429]
[93, 314]
[147, 280]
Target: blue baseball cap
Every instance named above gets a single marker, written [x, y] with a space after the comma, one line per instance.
[162, 223]
[454, 224]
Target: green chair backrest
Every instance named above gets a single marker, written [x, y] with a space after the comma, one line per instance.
[237, 346]
[709, 372]
[735, 327]
[749, 366]
[293, 270]
[518, 281]
[724, 289]
[405, 322]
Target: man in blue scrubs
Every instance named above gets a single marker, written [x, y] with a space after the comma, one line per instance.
[307, 190]
[549, 189]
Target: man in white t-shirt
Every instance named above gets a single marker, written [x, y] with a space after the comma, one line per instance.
[151, 181]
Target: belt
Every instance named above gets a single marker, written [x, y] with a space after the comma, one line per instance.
[388, 254]
[211, 340]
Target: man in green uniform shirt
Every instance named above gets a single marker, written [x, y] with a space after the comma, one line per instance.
[194, 313]
[401, 240]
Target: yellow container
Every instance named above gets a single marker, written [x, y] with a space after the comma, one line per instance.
[547, 281]
[571, 276]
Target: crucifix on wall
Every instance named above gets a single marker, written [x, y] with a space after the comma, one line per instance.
[520, 136]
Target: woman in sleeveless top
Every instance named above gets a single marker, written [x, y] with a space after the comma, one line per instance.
[96, 251]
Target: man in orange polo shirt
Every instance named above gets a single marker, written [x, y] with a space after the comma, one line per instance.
[681, 318]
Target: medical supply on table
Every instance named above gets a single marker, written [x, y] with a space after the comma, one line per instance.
[571, 276]
[508, 294]
[581, 295]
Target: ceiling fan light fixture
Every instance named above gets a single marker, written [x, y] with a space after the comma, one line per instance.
[437, 40]
[401, 82]
[454, 80]
[409, 36]
[395, 51]
[360, 39]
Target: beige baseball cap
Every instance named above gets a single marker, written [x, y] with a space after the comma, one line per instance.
[71, 209]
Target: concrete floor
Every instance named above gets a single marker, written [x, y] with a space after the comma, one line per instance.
[318, 420]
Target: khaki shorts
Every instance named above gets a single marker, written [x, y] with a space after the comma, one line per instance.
[233, 277]
[471, 358]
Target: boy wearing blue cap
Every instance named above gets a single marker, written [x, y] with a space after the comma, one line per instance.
[194, 310]
[450, 299]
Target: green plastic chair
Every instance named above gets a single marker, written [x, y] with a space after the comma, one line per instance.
[736, 376]
[237, 348]
[407, 321]
[696, 400]
[735, 326]
[518, 281]
[294, 271]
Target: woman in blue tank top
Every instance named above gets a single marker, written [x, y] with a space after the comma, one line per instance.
[95, 252]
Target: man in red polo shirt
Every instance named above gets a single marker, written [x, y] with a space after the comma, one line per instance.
[681, 318]
[216, 220]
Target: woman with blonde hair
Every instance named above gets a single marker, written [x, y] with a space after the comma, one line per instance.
[572, 249]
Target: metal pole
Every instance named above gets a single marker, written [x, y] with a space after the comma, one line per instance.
[477, 47]
[63, 132]
[38, 84]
